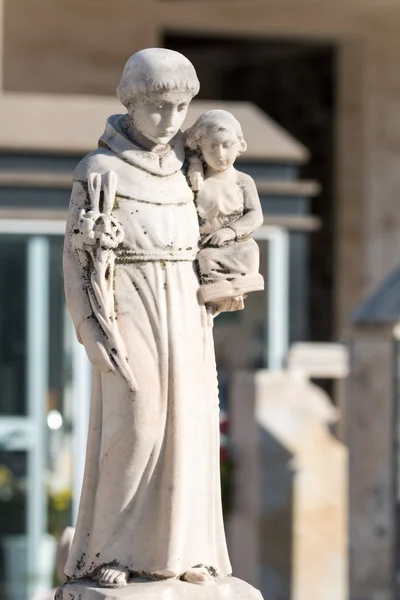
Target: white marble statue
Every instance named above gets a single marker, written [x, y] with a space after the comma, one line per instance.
[228, 207]
[151, 500]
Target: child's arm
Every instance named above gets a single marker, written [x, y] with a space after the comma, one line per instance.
[195, 172]
[252, 217]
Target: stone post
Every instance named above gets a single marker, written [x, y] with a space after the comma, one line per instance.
[288, 528]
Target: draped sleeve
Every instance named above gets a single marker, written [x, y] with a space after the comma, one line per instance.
[75, 260]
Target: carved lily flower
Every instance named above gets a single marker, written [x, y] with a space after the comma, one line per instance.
[99, 234]
[93, 225]
[84, 233]
[108, 231]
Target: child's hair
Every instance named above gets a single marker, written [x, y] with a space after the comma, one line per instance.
[156, 69]
[211, 122]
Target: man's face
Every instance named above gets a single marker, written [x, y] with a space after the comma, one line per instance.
[158, 116]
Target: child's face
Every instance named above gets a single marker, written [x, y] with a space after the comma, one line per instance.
[221, 149]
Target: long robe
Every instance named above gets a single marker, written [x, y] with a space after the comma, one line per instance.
[151, 499]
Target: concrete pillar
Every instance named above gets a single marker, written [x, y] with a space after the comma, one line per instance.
[350, 227]
[371, 443]
[288, 527]
[382, 156]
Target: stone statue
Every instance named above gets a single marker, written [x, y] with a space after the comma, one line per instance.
[150, 507]
[228, 208]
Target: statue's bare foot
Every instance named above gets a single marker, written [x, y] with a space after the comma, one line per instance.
[113, 577]
[198, 575]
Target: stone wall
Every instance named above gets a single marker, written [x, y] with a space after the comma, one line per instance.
[100, 34]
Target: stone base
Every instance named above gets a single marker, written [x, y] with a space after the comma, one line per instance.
[227, 588]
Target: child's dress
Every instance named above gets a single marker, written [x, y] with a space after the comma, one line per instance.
[232, 269]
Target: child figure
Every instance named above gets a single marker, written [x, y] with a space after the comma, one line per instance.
[228, 208]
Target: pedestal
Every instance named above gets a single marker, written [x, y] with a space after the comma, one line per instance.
[227, 588]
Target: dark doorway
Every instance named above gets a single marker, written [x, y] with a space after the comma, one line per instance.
[294, 82]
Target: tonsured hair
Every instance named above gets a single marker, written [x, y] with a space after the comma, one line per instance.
[156, 70]
[210, 122]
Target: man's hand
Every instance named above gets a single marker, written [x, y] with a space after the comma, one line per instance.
[221, 237]
[91, 337]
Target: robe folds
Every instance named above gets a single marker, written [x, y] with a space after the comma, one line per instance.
[151, 500]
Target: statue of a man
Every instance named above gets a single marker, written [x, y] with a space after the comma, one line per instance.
[151, 500]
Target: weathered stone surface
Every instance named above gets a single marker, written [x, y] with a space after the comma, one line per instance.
[133, 235]
[223, 589]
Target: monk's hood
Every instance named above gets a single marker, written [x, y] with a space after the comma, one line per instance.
[115, 139]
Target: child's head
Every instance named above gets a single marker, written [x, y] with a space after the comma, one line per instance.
[218, 136]
[157, 86]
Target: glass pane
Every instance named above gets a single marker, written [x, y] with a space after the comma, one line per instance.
[56, 329]
[13, 542]
[12, 325]
[59, 409]
[16, 439]
[241, 340]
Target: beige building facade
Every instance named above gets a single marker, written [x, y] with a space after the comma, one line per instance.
[43, 42]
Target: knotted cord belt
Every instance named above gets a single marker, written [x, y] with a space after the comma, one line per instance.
[123, 257]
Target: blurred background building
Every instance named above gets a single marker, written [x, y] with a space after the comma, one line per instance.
[316, 85]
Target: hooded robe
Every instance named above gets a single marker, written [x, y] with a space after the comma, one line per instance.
[151, 500]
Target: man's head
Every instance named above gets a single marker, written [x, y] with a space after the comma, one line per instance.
[156, 88]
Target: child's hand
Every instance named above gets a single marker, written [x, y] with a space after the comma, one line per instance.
[195, 173]
[91, 337]
[221, 237]
[196, 179]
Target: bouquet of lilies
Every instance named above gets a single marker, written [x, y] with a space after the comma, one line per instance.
[99, 233]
